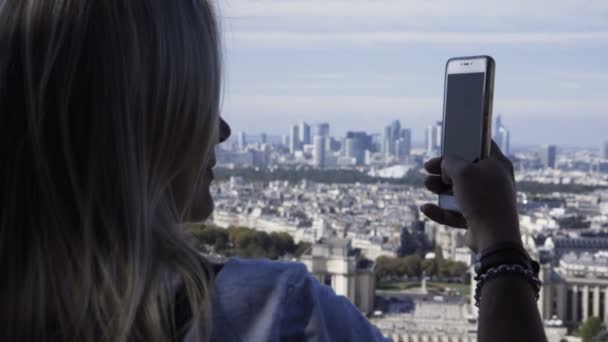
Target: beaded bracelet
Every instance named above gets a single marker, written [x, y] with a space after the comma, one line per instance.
[506, 269]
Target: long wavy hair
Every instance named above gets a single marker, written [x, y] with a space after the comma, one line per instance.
[102, 105]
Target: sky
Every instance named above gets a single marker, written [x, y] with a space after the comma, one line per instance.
[359, 64]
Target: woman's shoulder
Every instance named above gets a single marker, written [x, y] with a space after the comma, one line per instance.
[263, 300]
[237, 267]
[256, 280]
[249, 298]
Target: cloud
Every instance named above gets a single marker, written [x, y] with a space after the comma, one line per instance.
[582, 76]
[321, 105]
[569, 85]
[537, 9]
[331, 39]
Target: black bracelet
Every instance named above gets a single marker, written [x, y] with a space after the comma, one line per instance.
[506, 269]
[506, 253]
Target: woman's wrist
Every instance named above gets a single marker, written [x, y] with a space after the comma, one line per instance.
[486, 235]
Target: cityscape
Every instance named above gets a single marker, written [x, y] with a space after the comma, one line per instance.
[353, 202]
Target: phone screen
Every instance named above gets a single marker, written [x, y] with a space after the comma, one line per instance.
[463, 126]
[463, 123]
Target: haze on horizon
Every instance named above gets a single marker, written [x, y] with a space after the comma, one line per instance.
[359, 64]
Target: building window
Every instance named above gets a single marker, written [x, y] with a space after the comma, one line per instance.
[579, 304]
[554, 300]
[590, 304]
[327, 279]
[569, 305]
[602, 305]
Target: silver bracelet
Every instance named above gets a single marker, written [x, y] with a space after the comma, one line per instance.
[494, 272]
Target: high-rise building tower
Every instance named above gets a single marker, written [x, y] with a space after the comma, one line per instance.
[321, 129]
[548, 156]
[401, 152]
[304, 133]
[604, 150]
[406, 135]
[285, 140]
[433, 138]
[395, 130]
[242, 142]
[403, 145]
[319, 143]
[294, 139]
[356, 144]
[263, 138]
[502, 136]
[392, 133]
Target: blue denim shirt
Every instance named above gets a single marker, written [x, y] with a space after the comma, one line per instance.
[262, 300]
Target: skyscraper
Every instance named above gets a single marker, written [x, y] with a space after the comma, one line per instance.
[406, 135]
[433, 138]
[388, 148]
[401, 150]
[548, 156]
[403, 145]
[294, 139]
[502, 136]
[285, 140]
[604, 150]
[321, 129]
[395, 130]
[356, 144]
[319, 143]
[392, 133]
[304, 133]
[242, 142]
[263, 138]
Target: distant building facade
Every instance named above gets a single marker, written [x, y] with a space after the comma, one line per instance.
[502, 136]
[319, 155]
[304, 133]
[433, 138]
[242, 143]
[548, 156]
[577, 289]
[294, 139]
[355, 145]
[321, 129]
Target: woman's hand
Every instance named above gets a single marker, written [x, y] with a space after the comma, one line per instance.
[485, 192]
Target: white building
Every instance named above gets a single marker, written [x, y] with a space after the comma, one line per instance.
[577, 289]
[294, 139]
[433, 138]
[335, 263]
[319, 151]
[304, 133]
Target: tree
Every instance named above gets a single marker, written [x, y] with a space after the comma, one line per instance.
[444, 268]
[283, 243]
[302, 248]
[430, 267]
[601, 337]
[590, 329]
[386, 267]
[412, 265]
[210, 236]
[458, 269]
[438, 253]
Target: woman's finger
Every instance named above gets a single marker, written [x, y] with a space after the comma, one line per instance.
[433, 166]
[435, 185]
[442, 216]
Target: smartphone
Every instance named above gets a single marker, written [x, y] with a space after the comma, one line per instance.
[467, 113]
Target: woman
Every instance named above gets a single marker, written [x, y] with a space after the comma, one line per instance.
[110, 114]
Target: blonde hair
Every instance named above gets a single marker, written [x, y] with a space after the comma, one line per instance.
[103, 104]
